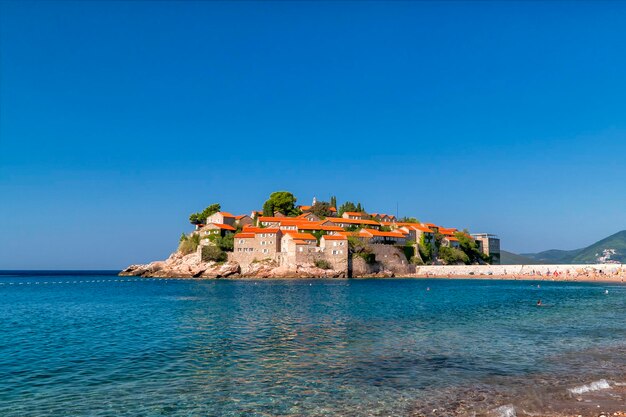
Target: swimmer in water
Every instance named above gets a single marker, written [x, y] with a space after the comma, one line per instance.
[539, 303]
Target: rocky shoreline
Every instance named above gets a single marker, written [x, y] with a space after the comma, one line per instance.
[191, 266]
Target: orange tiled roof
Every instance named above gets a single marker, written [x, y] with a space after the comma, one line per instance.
[422, 228]
[335, 237]
[352, 221]
[222, 226]
[252, 229]
[300, 236]
[332, 228]
[452, 238]
[354, 213]
[225, 214]
[244, 235]
[303, 208]
[332, 209]
[374, 232]
[447, 231]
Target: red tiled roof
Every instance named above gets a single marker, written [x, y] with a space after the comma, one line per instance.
[244, 236]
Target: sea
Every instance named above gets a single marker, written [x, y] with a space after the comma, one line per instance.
[91, 343]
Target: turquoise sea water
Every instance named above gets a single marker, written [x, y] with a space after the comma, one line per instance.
[99, 345]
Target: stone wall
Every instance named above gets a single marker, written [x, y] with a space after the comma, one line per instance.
[519, 270]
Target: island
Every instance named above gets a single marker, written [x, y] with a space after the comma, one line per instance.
[323, 239]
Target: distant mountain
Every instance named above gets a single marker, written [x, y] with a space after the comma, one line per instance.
[553, 256]
[608, 250]
[510, 258]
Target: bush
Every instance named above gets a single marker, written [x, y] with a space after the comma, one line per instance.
[323, 264]
[189, 244]
[368, 257]
[416, 260]
[409, 251]
[452, 255]
[213, 253]
[226, 243]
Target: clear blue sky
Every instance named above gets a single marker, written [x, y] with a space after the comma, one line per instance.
[118, 119]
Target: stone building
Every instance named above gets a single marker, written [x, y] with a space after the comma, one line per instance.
[489, 245]
[221, 217]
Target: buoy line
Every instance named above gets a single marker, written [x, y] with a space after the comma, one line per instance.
[97, 281]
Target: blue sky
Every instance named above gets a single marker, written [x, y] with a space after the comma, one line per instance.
[118, 119]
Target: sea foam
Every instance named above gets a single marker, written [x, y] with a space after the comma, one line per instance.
[505, 411]
[594, 386]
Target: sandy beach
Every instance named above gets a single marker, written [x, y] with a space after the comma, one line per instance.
[609, 273]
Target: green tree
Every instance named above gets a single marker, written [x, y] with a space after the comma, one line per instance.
[321, 209]
[333, 201]
[282, 201]
[469, 246]
[452, 255]
[347, 206]
[225, 243]
[425, 249]
[408, 220]
[200, 217]
[268, 209]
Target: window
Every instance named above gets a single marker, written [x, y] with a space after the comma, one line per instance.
[335, 252]
[265, 250]
[300, 248]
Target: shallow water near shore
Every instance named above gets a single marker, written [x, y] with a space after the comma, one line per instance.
[95, 344]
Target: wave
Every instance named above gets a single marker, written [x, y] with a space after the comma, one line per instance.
[505, 411]
[594, 386]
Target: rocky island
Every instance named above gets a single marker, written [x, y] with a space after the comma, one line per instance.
[323, 240]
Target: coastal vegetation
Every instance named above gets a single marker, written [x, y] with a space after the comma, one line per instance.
[282, 202]
[188, 243]
[200, 217]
